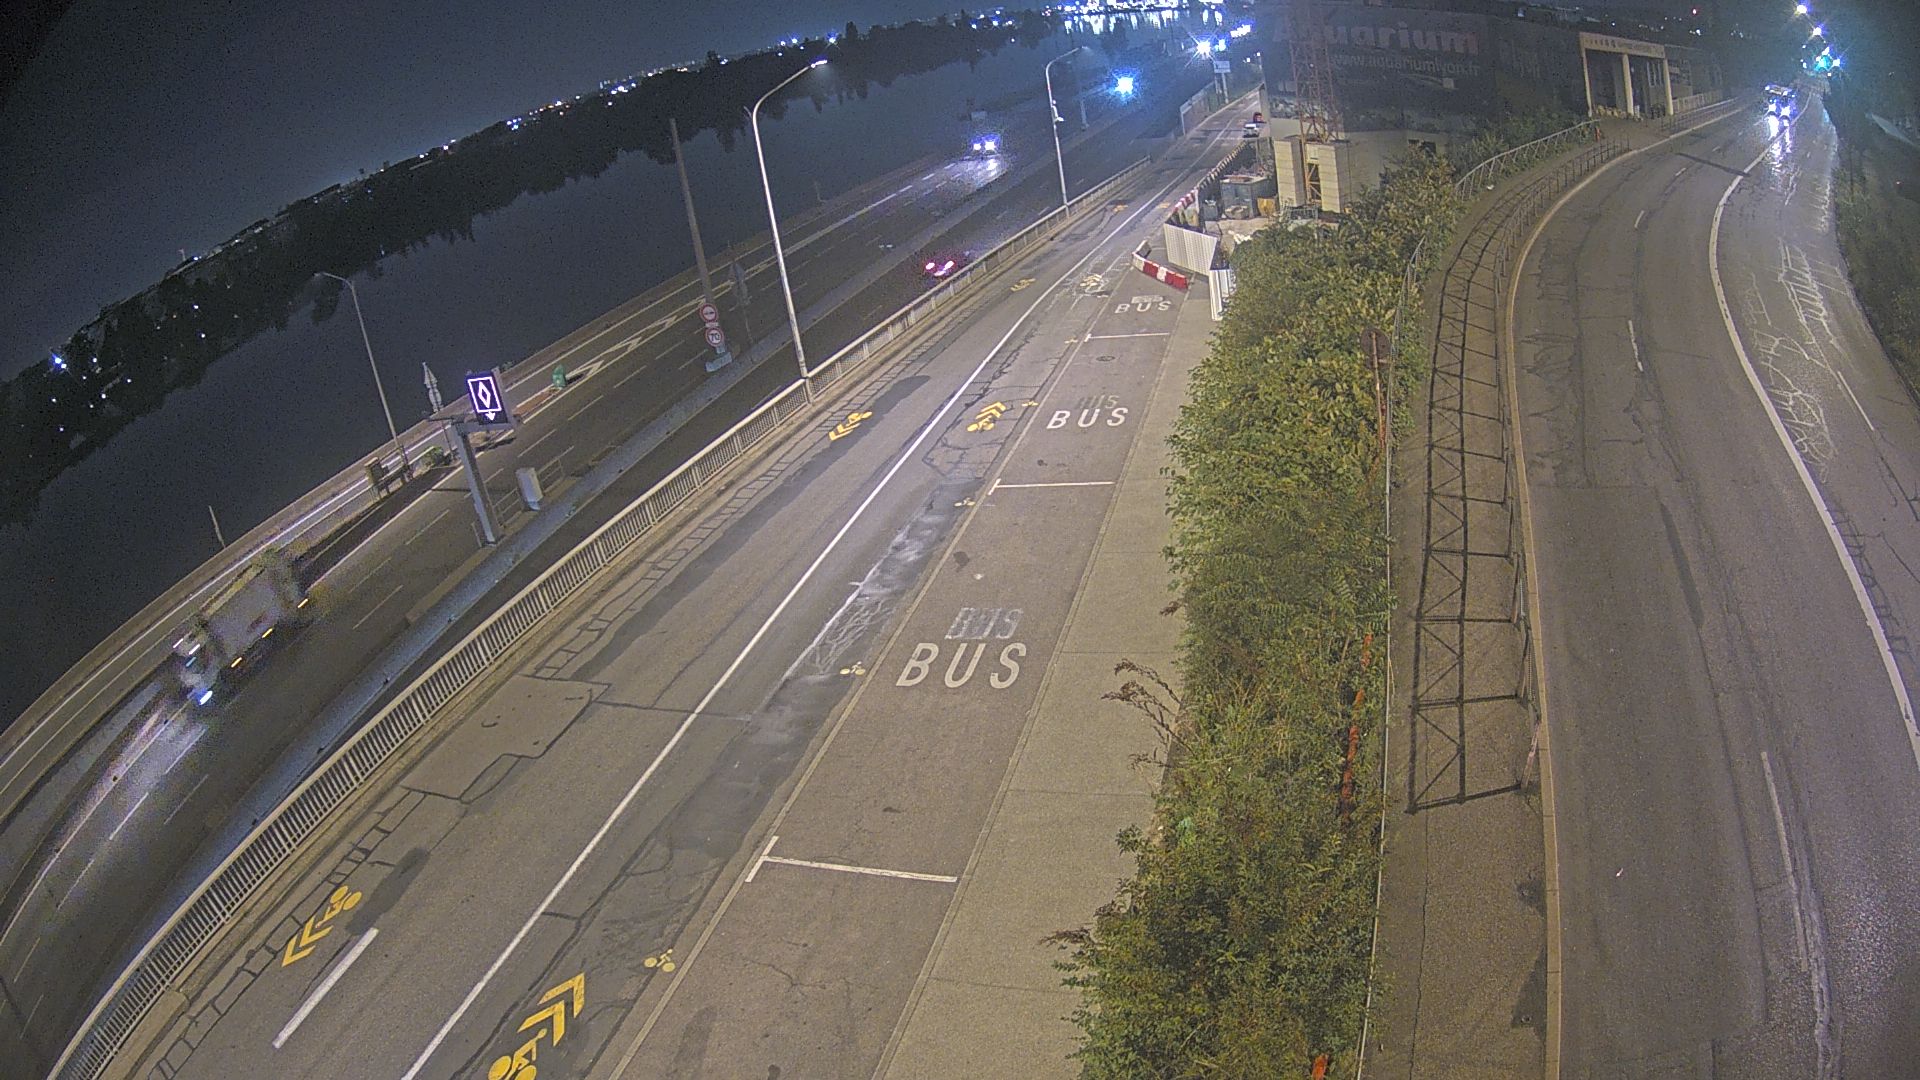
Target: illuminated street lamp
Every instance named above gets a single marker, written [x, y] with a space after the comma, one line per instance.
[392, 432]
[1054, 107]
[1123, 85]
[1800, 9]
[773, 222]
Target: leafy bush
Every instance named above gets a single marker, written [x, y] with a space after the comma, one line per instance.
[1240, 948]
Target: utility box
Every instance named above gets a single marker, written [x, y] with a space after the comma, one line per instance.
[529, 478]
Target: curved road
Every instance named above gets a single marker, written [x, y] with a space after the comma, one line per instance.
[1723, 504]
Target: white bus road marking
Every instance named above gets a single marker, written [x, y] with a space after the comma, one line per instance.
[326, 984]
[845, 868]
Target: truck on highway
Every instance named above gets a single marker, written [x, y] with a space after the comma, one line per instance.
[230, 626]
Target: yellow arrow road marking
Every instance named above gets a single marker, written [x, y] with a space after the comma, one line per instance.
[301, 945]
[1021, 284]
[556, 1013]
[846, 427]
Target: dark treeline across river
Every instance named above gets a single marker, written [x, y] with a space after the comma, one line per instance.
[293, 405]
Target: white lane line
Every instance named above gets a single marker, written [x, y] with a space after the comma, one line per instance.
[998, 486]
[78, 878]
[1638, 220]
[185, 750]
[422, 530]
[36, 1008]
[1848, 387]
[326, 984]
[1110, 337]
[1811, 939]
[936, 422]
[185, 799]
[555, 463]
[130, 812]
[556, 430]
[375, 609]
[1786, 860]
[766, 857]
[31, 949]
[1633, 339]
[1827, 518]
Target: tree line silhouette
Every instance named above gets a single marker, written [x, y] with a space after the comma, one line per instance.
[123, 365]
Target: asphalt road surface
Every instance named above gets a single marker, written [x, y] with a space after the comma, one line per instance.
[175, 781]
[1723, 471]
[708, 821]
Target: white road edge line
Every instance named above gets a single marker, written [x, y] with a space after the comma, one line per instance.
[1633, 339]
[326, 984]
[1641, 218]
[1819, 501]
[620, 809]
[1110, 337]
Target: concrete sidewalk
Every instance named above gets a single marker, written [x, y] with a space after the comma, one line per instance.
[989, 1002]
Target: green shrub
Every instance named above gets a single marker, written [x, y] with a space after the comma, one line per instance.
[1240, 947]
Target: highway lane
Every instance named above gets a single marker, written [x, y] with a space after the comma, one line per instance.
[729, 643]
[1737, 783]
[85, 907]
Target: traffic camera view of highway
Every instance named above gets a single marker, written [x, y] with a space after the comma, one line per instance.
[1296, 538]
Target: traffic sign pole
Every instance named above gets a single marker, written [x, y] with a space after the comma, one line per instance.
[709, 314]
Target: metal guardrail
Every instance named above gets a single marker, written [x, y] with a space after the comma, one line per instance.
[1526, 156]
[196, 923]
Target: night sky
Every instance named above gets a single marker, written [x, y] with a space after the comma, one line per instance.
[140, 129]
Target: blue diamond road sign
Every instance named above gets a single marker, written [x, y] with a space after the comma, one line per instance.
[489, 404]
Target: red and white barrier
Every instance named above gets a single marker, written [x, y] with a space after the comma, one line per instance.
[1154, 270]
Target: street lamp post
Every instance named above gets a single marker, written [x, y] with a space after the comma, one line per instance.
[1053, 108]
[773, 223]
[393, 432]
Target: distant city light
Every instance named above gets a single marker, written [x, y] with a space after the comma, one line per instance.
[59, 362]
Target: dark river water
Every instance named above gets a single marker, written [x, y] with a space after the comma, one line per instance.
[291, 408]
